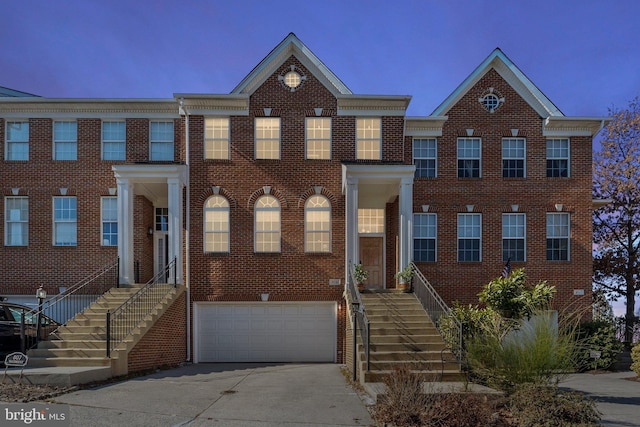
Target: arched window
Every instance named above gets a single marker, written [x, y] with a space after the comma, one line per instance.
[267, 224]
[317, 224]
[216, 224]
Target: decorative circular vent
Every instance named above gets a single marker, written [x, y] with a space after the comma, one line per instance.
[292, 79]
[491, 100]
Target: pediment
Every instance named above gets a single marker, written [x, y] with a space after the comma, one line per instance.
[290, 46]
[499, 62]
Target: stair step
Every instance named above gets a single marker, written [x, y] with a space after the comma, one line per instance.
[435, 375]
[406, 356]
[72, 344]
[37, 362]
[68, 352]
[410, 347]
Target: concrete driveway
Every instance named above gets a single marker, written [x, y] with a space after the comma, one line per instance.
[225, 395]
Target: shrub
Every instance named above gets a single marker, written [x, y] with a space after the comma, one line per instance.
[407, 403]
[597, 335]
[635, 357]
[470, 318]
[538, 353]
[511, 298]
[547, 406]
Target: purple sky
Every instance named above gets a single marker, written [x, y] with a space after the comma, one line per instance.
[583, 54]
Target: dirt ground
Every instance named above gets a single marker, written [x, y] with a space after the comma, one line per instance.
[15, 392]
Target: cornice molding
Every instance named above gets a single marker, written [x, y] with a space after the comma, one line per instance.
[87, 108]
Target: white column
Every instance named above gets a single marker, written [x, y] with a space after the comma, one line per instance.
[175, 226]
[125, 231]
[351, 228]
[406, 222]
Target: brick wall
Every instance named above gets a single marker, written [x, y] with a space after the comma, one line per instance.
[492, 195]
[165, 344]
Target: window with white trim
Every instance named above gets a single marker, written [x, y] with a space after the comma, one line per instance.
[469, 237]
[558, 234]
[425, 237]
[267, 141]
[17, 140]
[368, 139]
[513, 157]
[114, 138]
[514, 237]
[318, 138]
[161, 140]
[557, 157]
[469, 158]
[317, 224]
[216, 138]
[16, 221]
[65, 221]
[216, 224]
[109, 221]
[425, 157]
[267, 224]
[65, 141]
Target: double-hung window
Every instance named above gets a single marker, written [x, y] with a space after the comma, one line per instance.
[17, 140]
[216, 138]
[65, 141]
[425, 158]
[317, 224]
[557, 157]
[216, 224]
[368, 139]
[424, 237]
[513, 157]
[318, 138]
[16, 221]
[114, 141]
[109, 221]
[558, 236]
[267, 224]
[161, 141]
[469, 158]
[267, 142]
[469, 237]
[65, 221]
[513, 237]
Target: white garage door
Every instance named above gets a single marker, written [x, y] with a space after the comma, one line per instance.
[265, 332]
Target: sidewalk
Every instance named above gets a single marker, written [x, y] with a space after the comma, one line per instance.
[617, 397]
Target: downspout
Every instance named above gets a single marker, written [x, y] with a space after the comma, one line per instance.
[187, 268]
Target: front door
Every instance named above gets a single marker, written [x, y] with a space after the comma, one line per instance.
[371, 258]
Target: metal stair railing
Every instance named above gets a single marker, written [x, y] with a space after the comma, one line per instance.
[435, 307]
[74, 299]
[124, 319]
[361, 321]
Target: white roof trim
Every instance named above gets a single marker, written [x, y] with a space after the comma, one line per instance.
[291, 45]
[57, 108]
[424, 126]
[573, 126]
[513, 76]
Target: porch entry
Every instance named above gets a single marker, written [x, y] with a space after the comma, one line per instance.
[161, 244]
[371, 246]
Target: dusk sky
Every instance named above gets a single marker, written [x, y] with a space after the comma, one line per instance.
[583, 54]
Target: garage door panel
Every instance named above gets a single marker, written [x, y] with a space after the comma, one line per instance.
[266, 332]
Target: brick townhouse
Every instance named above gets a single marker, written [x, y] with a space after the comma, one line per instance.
[265, 196]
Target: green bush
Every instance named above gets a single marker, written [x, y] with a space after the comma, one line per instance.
[597, 335]
[503, 356]
[635, 356]
[547, 406]
[510, 297]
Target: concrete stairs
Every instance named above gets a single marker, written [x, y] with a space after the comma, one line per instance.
[81, 342]
[402, 333]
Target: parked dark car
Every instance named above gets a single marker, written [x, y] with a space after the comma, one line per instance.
[10, 324]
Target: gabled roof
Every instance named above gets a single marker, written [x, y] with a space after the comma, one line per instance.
[291, 45]
[6, 92]
[498, 61]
